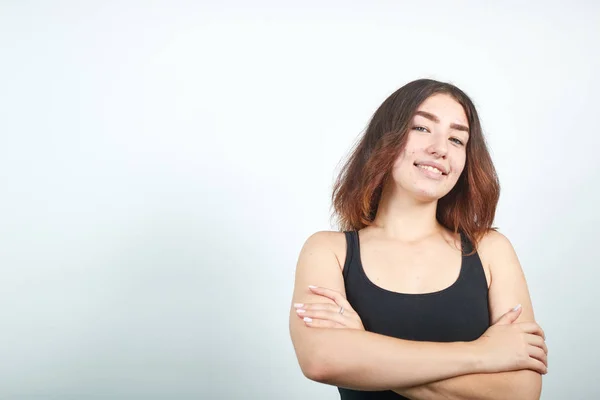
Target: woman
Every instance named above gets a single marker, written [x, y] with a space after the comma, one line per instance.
[428, 300]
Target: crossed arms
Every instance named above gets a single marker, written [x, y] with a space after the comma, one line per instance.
[494, 367]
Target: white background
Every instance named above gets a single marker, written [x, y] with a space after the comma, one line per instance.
[162, 163]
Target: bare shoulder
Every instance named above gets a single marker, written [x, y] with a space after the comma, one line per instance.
[495, 244]
[333, 241]
[491, 248]
[508, 283]
[497, 253]
[495, 240]
[317, 265]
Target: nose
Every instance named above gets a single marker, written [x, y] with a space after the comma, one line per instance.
[438, 146]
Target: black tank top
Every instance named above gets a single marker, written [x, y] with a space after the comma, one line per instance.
[457, 313]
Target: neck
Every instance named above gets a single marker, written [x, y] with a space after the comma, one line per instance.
[400, 216]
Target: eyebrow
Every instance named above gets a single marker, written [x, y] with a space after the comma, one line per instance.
[434, 118]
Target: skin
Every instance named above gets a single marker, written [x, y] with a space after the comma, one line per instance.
[428, 140]
[406, 250]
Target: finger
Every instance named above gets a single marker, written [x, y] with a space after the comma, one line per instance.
[538, 354]
[537, 366]
[336, 296]
[537, 341]
[319, 306]
[510, 317]
[532, 327]
[333, 308]
[323, 315]
[321, 323]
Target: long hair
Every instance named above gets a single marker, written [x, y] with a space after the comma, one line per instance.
[468, 208]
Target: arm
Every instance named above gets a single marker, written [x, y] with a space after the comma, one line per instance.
[501, 385]
[358, 359]
[508, 288]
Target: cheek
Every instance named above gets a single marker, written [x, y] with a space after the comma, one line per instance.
[458, 164]
[406, 155]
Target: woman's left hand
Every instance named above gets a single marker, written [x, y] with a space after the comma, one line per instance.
[327, 315]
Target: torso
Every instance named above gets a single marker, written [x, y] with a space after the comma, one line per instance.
[426, 290]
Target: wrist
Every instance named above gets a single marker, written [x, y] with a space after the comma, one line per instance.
[473, 361]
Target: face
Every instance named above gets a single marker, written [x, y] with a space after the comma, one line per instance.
[435, 153]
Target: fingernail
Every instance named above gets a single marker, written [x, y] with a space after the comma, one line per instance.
[312, 286]
[297, 305]
[517, 307]
[307, 319]
[300, 310]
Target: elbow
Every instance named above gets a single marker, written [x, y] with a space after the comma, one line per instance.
[314, 358]
[318, 358]
[533, 393]
[315, 370]
[312, 372]
[529, 384]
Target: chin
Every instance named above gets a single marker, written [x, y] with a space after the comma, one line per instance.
[427, 197]
[428, 194]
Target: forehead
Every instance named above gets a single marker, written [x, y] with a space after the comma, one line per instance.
[444, 107]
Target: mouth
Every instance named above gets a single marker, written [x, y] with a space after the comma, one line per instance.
[434, 169]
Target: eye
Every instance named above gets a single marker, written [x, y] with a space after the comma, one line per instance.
[420, 129]
[457, 141]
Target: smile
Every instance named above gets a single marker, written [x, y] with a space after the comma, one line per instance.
[432, 169]
[431, 172]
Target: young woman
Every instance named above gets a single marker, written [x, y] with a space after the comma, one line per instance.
[417, 296]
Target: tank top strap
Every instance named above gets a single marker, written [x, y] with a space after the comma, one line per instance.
[351, 250]
[472, 265]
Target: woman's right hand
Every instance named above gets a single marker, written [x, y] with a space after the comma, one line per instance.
[507, 346]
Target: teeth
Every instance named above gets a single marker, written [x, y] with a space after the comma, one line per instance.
[432, 169]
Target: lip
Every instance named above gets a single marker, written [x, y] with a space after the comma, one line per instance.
[434, 165]
[431, 175]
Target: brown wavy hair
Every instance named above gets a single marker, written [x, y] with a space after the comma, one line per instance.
[470, 206]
